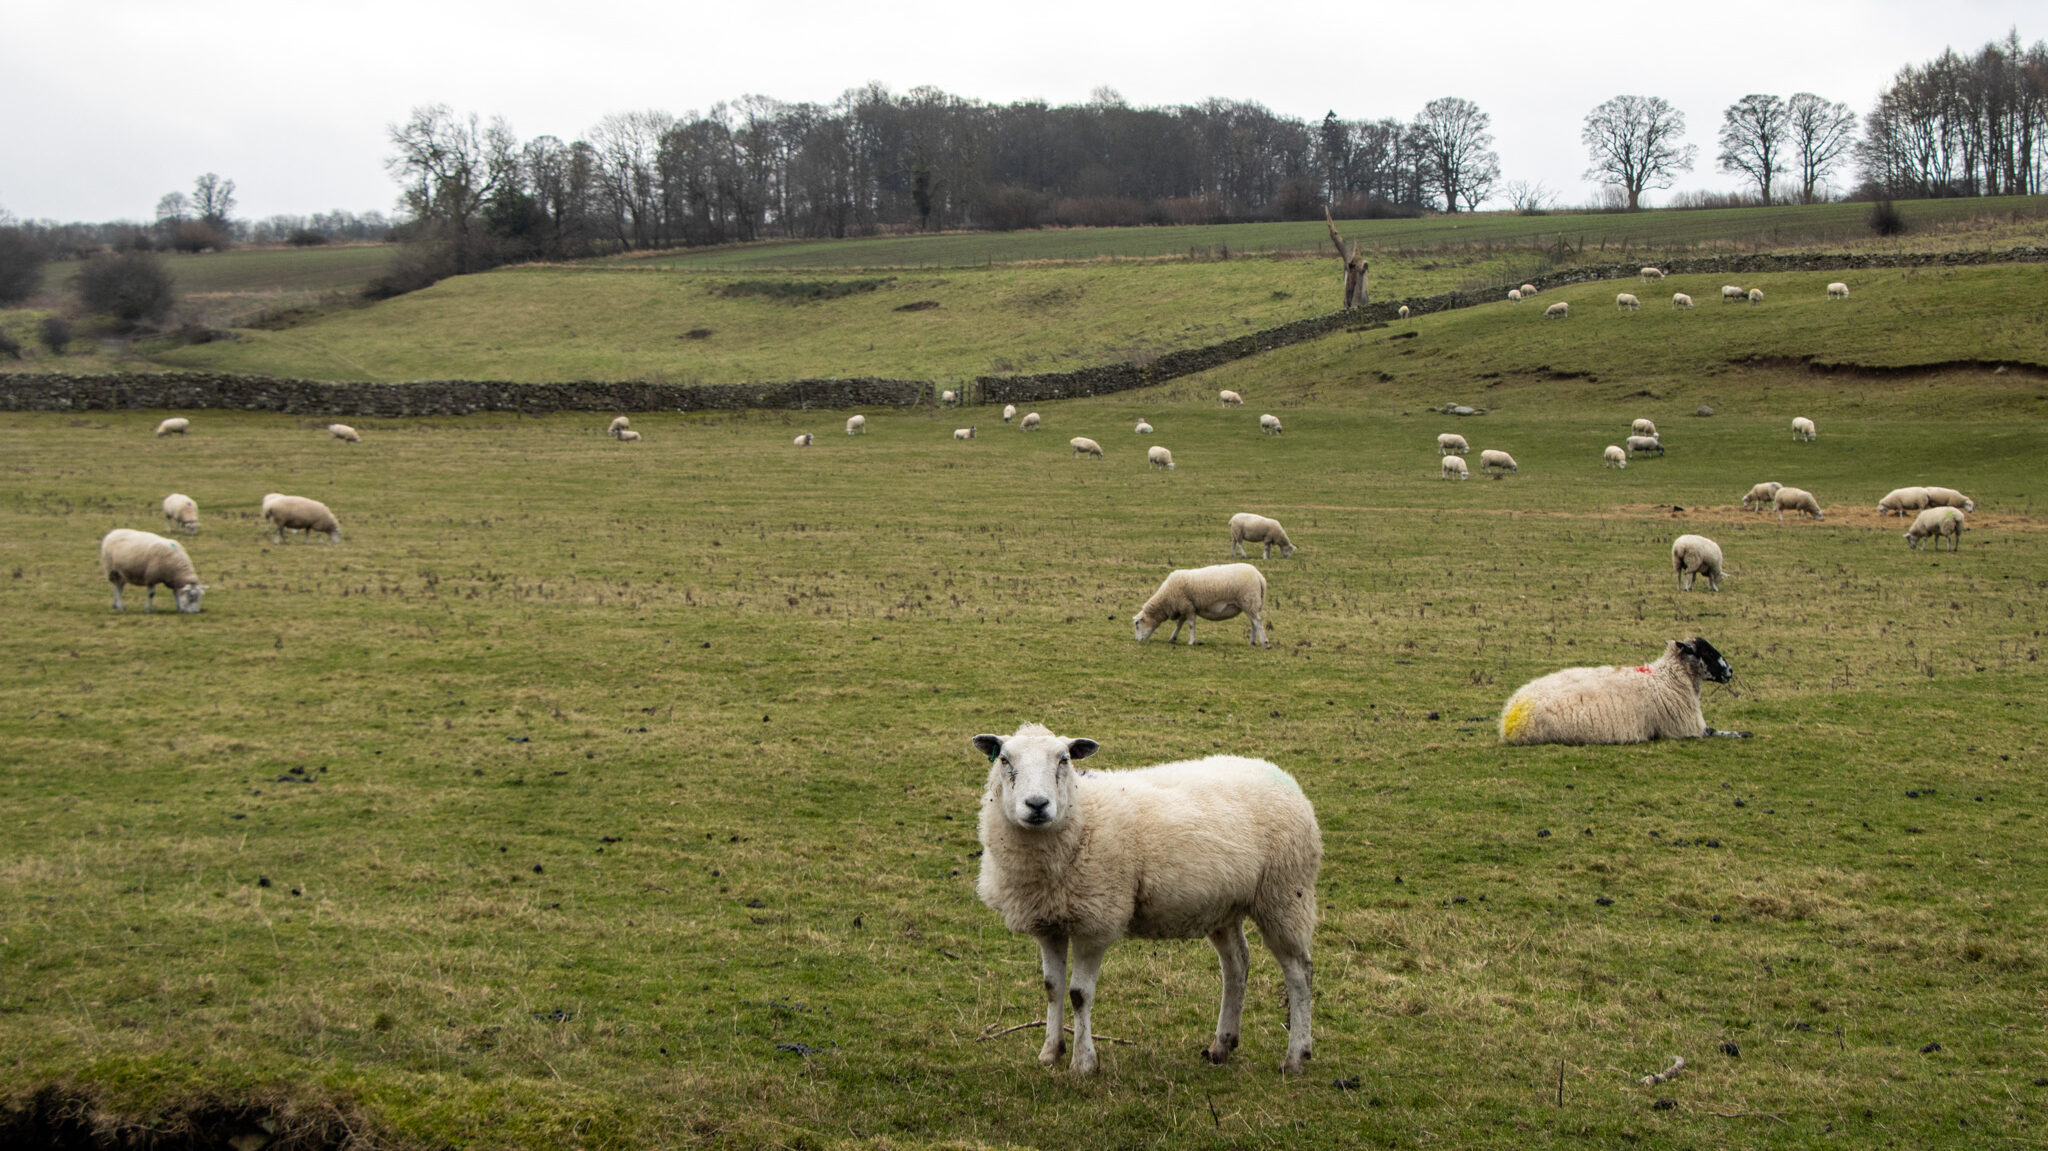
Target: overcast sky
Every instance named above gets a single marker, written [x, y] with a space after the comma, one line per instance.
[109, 104]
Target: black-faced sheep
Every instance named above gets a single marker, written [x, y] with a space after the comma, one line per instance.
[1617, 704]
[618, 424]
[1219, 592]
[146, 559]
[1644, 445]
[964, 433]
[805, 440]
[1270, 424]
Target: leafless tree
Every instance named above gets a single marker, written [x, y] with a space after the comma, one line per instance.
[450, 166]
[1634, 144]
[1820, 135]
[214, 199]
[1529, 198]
[1753, 140]
[1456, 151]
[1357, 285]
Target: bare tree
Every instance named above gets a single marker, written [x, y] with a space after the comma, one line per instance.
[1357, 287]
[1527, 198]
[1753, 140]
[1821, 134]
[1456, 151]
[450, 166]
[173, 209]
[214, 199]
[1633, 142]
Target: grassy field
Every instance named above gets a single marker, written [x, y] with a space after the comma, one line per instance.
[601, 795]
[257, 271]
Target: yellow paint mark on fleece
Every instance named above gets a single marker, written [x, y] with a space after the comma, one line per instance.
[1515, 716]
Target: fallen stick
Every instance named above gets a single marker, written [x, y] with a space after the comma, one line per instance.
[990, 1032]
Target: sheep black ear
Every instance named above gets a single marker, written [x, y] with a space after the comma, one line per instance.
[1081, 748]
[989, 745]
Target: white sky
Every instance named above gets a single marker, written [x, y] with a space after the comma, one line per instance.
[109, 104]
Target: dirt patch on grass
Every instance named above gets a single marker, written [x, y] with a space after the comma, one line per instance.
[59, 1115]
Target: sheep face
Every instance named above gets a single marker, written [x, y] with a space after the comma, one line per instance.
[1031, 776]
[1703, 660]
[189, 596]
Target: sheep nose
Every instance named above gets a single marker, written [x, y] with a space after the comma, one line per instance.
[1037, 804]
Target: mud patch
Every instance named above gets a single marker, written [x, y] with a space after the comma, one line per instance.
[75, 1119]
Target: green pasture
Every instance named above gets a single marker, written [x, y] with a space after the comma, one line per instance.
[256, 271]
[620, 795]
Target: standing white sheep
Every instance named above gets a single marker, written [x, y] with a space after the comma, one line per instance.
[1680, 300]
[1247, 527]
[344, 433]
[1937, 522]
[1218, 592]
[1643, 428]
[1761, 495]
[1451, 444]
[1798, 500]
[1492, 461]
[1615, 457]
[856, 425]
[146, 559]
[1838, 291]
[964, 433]
[297, 513]
[1403, 313]
[1009, 412]
[1270, 424]
[1558, 311]
[1159, 457]
[804, 441]
[1645, 445]
[1229, 399]
[949, 396]
[1528, 289]
[1756, 295]
[1029, 423]
[1730, 294]
[1696, 556]
[1803, 429]
[1652, 274]
[179, 509]
[1455, 469]
[1083, 446]
[175, 426]
[618, 424]
[1143, 428]
[1627, 302]
[1584, 705]
[1514, 295]
[1183, 850]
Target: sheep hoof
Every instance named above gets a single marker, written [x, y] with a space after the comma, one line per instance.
[1296, 1065]
[1219, 1049]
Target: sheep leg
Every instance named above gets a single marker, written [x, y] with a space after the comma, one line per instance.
[118, 606]
[1298, 973]
[1191, 630]
[1087, 966]
[1236, 957]
[149, 599]
[1237, 548]
[1176, 632]
[1259, 629]
[1052, 960]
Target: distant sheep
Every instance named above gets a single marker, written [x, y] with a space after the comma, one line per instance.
[1451, 444]
[963, 433]
[1761, 495]
[1644, 445]
[1730, 294]
[1220, 592]
[1838, 291]
[344, 433]
[1493, 461]
[1587, 705]
[297, 513]
[856, 425]
[1159, 457]
[1143, 428]
[1756, 295]
[1009, 412]
[1652, 274]
[618, 424]
[1949, 498]
[1183, 850]
[1615, 457]
[1937, 522]
[1696, 556]
[628, 436]
[1680, 300]
[1643, 427]
[1558, 311]
[1803, 429]
[1083, 446]
[1403, 313]
[1627, 302]
[1455, 469]
[1270, 424]
[1248, 528]
[1229, 399]
[181, 511]
[175, 426]
[1528, 289]
[146, 559]
[1899, 501]
[804, 441]
[1797, 500]
[1029, 423]
[1514, 295]
[949, 396]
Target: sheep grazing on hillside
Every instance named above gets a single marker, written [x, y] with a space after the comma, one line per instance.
[1627, 302]
[1937, 522]
[1558, 311]
[1645, 445]
[1652, 274]
[1756, 295]
[1730, 294]
[1451, 444]
[1029, 423]
[1009, 412]
[1615, 457]
[146, 559]
[1178, 851]
[1270, 424]
[1514, 295]
[1803, 429]
[297, 513]
[1083, 446]
[949, 396]
[344, 433]
[1838, 291]
[1159, 457]
[856, 425]
[1643, 428]
[964, 433]
[1219, 592]
[1528, 289]
[1797, 500]
[1899, 501]
[1143, 428]
[1455, 469]
[803, 441]
[618, 424]
[1696, 556]
[1761, 495]
[1403, 313]
[1248, 528]
[1229, 399]
[1583, 705]
[175, 426]
[1680, 300]
[1949, 498]
[1493, 462]
[627, 436]
[180, 510]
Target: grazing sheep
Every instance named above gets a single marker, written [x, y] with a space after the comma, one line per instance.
[1229, 399]
[1583, 705]
[344, 433]
[1795, 499]
[964, 433]
[1214, 593]
[1627, 302]
[1644, 445]
[1558, 311]
[1009, 412]
[1178, 851]
[175, 426]
[1451, 444]
[297, 513]
[628, 436]
[1403, 313]
[1803, 429]
[619, 424]
[949, 396]
[1029, 423]
[1528, 289]
[1083, 446]
[182, 511]
[1270, 424]
[1949, 498]
[1694, 556]
[1159, 457]
[1643, 428]
[1615, 457]
[1756, 295]
[1245, 527]
[1937, 522]
[146, 559]
[1838, 291]
[1652, 274]
[1455, 469]
[1760, 496]
[1143, 428]
[1492, 461]
[1730, 294]
[1514, 295]
[1680, 300]
[803, 441]
[856, 425]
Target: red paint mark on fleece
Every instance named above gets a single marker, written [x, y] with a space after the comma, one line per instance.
[1644, 670]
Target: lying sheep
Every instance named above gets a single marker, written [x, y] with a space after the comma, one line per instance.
[1403, 313]
[1680, 300]
[1652, 274]
[1937, 522]
[1798, 500]
[1584, 705]
[1803, 429]
[1455, 469]
[1899, 501]
[1270, 424]
[1009, 412]
[1644, 445]
[1229, 399]
[1179, 851]
[1615, 457]
[181, 511]
[803, 441]
[1451, 444]
[175, 426]
[1514, 295]
[964, 433]
[1558, 311]
[856, 425]
[1245, 527]
[1627, 302]
[1643, 428]
[146, 559]
[1029, 423]
[1695, 556]
[1493, 461]
[1730, 294]
[297, 513]
[1143, 428]
[1083, 446]
[1838, 291]
[1159, 457]
[628, 436]
[618, 424]
[1949, 498]
[344, 433]
[1761, 495]
[1214, 593]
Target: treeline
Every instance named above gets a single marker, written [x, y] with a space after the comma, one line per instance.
[75, 241]
[1957, 126]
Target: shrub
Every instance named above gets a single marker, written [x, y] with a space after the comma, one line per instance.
[21, 265]
[413, 266]
[1886, 220]
[305, 238]
[9, 346]
[197, 236]
[55, 334]
[133, 287]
